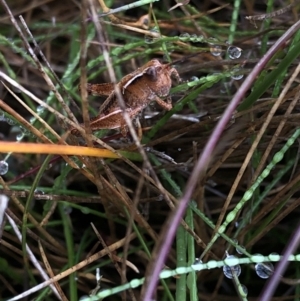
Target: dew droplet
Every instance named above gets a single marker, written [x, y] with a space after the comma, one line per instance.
[10, 121]
[38, 191]
[196, 263]
[236, 75]
[194, 38]
[67, 210]
[200, 38]
[184, 36]
[264, 270]
[149, 39]
[245, 290]
[3, 168]
[2, 116]
[239, 251]
[160, 198]
[20, 136]
[215, 50]
[234, 52]
[229, 272]
[225, 88]
[22, 130]
[239, 223]
[274, 256]
[194, 78]
[40, 109]
[211, 41]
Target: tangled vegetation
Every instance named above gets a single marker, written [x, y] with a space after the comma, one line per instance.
[201, 183]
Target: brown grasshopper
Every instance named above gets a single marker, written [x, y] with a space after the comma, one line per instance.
[139, 88]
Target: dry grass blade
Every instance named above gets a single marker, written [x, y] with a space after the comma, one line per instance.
[51, 274]
[31, 255]
[75, 268]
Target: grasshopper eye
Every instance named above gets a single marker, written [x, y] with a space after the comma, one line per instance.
[152, 73]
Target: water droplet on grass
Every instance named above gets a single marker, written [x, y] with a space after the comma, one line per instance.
[229, 272]
[149, 39]
[20, 136]
[194, 38]
[238, 249]
[10, 121]
[264, 270]
[236, 75]
[184, 36]
[245, 290]
[67, 210]
[38, 191]
[234, 52]
[195, 263]
[160, 198]
[3, 168]
[2, 116]
[216, 50]
[40, 109]
[212, 41]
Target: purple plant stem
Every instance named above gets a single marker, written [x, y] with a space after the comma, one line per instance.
[280, 267]
[202, 163]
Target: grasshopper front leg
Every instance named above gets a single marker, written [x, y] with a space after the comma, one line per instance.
[165, 105]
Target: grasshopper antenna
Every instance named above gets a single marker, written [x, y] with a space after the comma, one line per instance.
[182, 59]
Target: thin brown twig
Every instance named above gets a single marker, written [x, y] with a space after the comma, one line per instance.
[274, 13]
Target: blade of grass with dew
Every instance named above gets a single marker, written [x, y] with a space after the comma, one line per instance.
[278, 177]
[212, 264]
[248, 194]
[118, 53]
[199, 213]
[239, 288]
